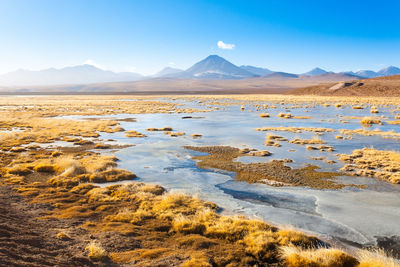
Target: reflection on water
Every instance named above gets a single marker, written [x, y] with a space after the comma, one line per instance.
[353, 214]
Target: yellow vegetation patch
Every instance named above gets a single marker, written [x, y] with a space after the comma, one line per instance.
[323, 257]
[174, 134]
[165, 129]
[315, 140]
[296, 129]
[358, 107]
[133, 133]
[284, 115]
[96, 252]
[376, 258]
[380, 164]
[63, 236]
[369, 120]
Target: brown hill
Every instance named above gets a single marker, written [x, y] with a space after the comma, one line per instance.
[382, 86]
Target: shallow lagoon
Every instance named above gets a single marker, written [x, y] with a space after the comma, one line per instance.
[353, 214]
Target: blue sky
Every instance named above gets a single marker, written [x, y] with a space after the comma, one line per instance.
[145, 36]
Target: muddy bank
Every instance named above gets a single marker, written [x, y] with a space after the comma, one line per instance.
[271, 173]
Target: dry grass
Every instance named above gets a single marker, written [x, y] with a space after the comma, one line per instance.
[376, 132]
[63, 236]
[96, 252]
[174, 134]
[197, 135]
[369, 120]
[198, 235]
[377, 258]
[315, 140]
[161, 220]
[369, 162]
[322, 257]
[165, 129]
[133, 133]
[296, 129]
[285, 115]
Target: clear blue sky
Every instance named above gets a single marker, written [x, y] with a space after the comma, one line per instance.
[145, 35]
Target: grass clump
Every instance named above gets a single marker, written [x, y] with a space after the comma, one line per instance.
[134, 133]
[63, 236]
[284, 115]
[197, 262]
[358, 107]
[322, 257]
[377, 258]
[369, 121]
[174, 134]
[370, 162]
[264, 115]
[163, 129]
[96, 252]
[315, 140]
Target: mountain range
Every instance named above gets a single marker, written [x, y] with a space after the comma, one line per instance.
[389, 71]
[212, 67]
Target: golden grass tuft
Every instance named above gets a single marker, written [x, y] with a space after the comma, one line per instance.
[174, 134]
[377, 258]
[186, 225]
[260, 242]
[297, 238]
[369, 120]
[163, 129]
[322, 257]
[96, 252]
[264, 115]
[197, 135]
[197, 262]
[63, 236]
[133, 133]
[111, 175]
[154, 253]
[284, 115]
[234, 228]
[369, 162]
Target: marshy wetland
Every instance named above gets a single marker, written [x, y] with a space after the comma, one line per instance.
[237, 180]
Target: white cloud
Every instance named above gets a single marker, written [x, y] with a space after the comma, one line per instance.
[223, 45]
[172, 64]
[93, 63]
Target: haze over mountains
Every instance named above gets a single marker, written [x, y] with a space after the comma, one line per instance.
[82, 74]
[212, 67]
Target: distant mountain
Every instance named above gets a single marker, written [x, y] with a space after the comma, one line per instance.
[344, 76]
[81, 74]
[366, 73]
[167, 71]
[215, 67]
[315, 71]
[389, 71]
[212, 67]
[281, 75]
[256, 70]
